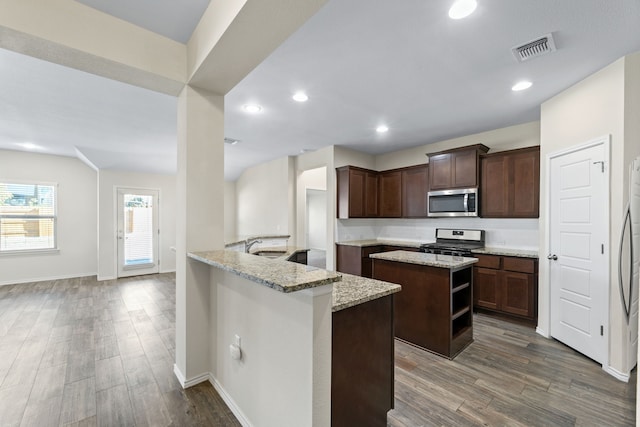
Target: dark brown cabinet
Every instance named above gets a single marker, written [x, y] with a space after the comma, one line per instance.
[396, 193]
[371, 194]
[362, 364]
[355, 259]
[433, 310]
[508, 285]
[357, 192]
[299, 257]
[458, 168]
[390, 202]
[415, 185]
[510, 184]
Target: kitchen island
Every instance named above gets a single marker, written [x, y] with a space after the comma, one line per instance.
[318, 346]
[434, 309]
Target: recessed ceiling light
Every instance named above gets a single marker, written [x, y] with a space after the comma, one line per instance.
[252, 108]
[462, 9]
[521, 86]
[382, 129]
[300, 97]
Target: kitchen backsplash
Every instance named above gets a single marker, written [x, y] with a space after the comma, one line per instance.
[510, 233]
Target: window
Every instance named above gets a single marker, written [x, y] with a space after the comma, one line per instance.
[27, 217]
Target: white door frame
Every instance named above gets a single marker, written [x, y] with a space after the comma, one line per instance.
[605, 141]
[116, 189]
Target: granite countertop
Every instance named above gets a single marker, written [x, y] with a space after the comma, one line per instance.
[522, 253]
[277, 274]
[376, 242]
[431, 260]
[354, 290]
[266, 237]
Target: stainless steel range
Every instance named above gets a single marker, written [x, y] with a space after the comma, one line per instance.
[455, 242]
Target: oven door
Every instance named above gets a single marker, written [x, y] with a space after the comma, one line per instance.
[447, 203]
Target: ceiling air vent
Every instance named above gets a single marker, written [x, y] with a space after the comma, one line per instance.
[533, 49]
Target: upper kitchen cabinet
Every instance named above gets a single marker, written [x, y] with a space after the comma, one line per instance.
[458, 168]
[390, 184]
[415, 185]
[357, 192]
[510, 185]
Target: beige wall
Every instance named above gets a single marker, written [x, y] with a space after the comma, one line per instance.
[518, 136]
[77, 213]
[592, 108]
[108, 181]
[263, 199]
[284, 376]
[323, 158]
[230, 212]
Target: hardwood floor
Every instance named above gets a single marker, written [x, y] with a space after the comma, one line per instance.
[81, 353]
[509, 376]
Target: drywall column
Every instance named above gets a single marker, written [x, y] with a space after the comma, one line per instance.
[200, 223]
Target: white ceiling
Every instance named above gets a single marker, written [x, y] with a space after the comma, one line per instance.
[404, 63]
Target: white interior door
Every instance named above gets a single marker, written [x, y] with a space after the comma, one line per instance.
[138, 232]
[578, 253]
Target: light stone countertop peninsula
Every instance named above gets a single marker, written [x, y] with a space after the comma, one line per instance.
[376, 242]
[431, 260]
[521, 253]
[354, 290]
[279, 275]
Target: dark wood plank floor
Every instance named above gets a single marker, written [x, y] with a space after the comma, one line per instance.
[81, 353]
[509, 376]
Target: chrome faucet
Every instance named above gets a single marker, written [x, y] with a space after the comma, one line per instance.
[250, 243]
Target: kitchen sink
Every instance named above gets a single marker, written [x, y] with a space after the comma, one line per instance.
[270, 254]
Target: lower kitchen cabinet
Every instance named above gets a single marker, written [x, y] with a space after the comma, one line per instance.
[506, 285]
[362, 364]
[355, 259]
[433, 311]
[300, 257]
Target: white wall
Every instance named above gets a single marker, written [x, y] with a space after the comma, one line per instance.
[592, 108]
[284, 376]
[263, 199]
[77, 213]
[108, 181]
[230, 212]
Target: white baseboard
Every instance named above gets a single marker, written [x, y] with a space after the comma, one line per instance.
[230, 402]
[616, 374]
[186, 383]
[45, 279]
[178, 374]
[167, 271]
[103, 278]
[542, 332]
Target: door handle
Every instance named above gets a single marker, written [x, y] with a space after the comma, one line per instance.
[552, 257]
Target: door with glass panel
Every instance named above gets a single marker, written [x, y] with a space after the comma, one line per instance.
[137, 232]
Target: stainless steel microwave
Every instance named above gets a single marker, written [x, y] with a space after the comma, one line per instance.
[459, 202]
